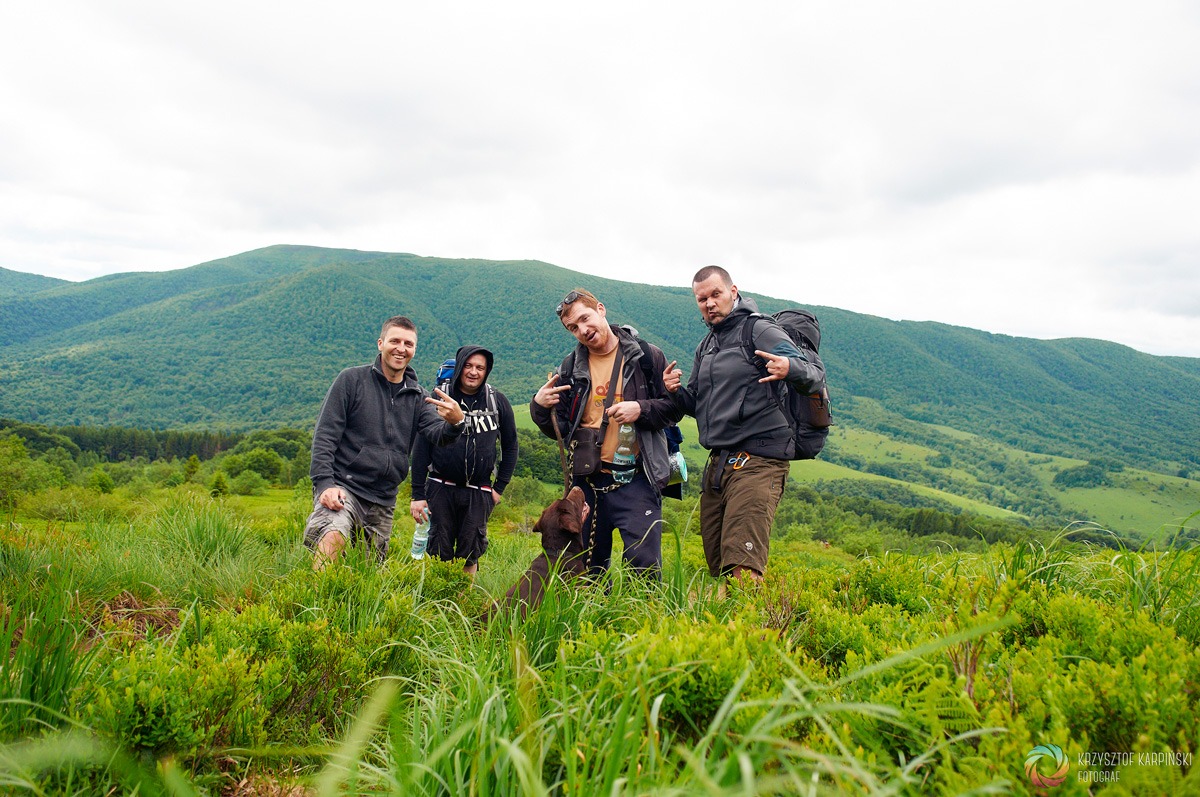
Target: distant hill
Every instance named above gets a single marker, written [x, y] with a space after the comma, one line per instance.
[18, 283]
[254, 340]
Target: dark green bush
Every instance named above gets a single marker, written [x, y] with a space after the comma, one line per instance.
[1082, 476]
[693, 665]
[249, 482]
[160, 701]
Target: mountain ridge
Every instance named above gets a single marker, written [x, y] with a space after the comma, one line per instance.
[20, 283]
[253, 340]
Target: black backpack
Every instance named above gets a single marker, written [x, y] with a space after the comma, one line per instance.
[809, 416]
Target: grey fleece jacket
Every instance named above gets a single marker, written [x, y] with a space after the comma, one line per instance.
[365, 432]
[733, 411]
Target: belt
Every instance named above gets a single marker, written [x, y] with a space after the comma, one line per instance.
[602, 489]
[715, 472]
[487, 488]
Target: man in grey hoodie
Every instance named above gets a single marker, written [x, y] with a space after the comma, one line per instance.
[361, 444]
[740, 423]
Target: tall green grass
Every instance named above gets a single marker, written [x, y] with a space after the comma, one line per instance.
[883, 675]
[1165, 585]
[484, 719]
[41, 637]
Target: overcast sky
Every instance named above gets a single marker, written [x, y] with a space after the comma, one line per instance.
[1031, 168]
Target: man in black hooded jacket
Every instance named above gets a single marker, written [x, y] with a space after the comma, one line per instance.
[455, 483]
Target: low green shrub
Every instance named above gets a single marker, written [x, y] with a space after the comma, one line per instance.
[74, 504]
[693, 664]
[159, 701]
[310, 672]
[893, 580]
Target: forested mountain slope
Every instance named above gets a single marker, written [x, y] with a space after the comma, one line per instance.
[18, 283]
[254, 340]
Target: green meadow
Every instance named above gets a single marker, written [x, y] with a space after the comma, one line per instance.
[166, 635]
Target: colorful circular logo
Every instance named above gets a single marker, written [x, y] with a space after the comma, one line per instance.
[1056, 756]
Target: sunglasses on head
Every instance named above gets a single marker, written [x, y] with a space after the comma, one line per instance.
[570, 298]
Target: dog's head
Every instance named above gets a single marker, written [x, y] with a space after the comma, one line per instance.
[561, 525]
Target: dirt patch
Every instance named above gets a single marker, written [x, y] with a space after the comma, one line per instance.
[264, 786]
[130, 616]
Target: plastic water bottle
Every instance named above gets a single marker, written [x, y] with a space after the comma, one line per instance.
[678, 469]
[623, 458]
[421, 536]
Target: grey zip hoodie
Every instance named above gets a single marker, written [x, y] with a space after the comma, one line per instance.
[365, 432]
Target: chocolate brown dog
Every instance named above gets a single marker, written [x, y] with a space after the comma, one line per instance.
[561, 527]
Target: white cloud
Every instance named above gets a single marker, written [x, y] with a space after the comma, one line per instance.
[1023, 168]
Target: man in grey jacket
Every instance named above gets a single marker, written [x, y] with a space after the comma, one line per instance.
[362, 440]
[740, 422]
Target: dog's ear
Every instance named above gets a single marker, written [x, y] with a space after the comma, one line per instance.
[576, 505]
[549, 519]
[571, 511]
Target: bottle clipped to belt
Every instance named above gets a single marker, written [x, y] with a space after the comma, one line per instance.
[624, 459]
[421, 536]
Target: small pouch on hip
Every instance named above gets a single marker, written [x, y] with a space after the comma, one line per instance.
[585, 452]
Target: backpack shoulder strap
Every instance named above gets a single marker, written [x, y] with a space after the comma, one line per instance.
[748, 334]
[491, 398]
[775, 388]
[568, 365]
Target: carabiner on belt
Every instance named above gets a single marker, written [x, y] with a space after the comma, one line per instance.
[739, 460]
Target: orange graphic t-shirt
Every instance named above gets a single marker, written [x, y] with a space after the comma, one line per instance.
[601, 368]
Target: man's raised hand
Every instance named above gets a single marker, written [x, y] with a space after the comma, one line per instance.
[447, 407]
[672, 377]
[548, 394]
[777, 366]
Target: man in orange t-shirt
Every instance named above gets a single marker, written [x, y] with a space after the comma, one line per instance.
[577, 398]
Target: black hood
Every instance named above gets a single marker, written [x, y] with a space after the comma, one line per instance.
[460, 359]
